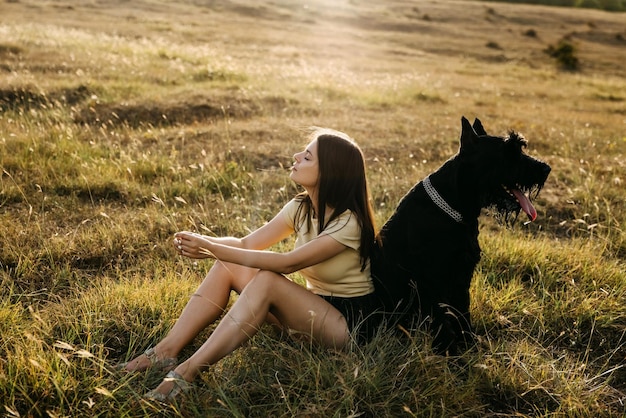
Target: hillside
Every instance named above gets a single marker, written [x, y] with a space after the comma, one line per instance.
[391, 34]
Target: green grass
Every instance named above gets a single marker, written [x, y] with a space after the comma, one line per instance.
[120, 126]
[610, 5]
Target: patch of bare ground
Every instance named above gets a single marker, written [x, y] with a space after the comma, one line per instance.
[179, 112]
[159, 114]
[191, 110]
[26, 97]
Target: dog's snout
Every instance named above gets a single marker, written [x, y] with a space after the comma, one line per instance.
[547, 169]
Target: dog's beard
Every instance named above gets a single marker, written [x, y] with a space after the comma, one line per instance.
[506, 205]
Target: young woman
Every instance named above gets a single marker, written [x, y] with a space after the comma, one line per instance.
[334, 228]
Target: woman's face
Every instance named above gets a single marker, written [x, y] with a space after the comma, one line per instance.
[305, 170]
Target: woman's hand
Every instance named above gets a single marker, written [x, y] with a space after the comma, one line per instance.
[193, 245]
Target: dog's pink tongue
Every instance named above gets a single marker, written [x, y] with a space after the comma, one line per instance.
[525, 204]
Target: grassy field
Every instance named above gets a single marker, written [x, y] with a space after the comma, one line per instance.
[124, 122]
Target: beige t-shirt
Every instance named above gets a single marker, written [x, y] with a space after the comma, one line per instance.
[340, 275]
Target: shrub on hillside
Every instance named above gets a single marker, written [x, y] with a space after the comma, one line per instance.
[565, 55]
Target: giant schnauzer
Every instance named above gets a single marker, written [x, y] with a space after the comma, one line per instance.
[427, 250]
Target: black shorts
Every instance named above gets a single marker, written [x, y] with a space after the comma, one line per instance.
[362, 314]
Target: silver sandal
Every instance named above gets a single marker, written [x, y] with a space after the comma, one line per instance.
[180, 386]
[165, 364]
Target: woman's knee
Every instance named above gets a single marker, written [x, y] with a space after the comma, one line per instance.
[265, 280]
[235, 276]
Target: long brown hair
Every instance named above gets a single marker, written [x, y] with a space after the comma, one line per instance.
[342, 186]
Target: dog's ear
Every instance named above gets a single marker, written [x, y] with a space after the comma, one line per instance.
[478, 127]
[468, 135]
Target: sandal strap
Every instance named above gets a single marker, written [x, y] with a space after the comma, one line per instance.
[157, 362]
[179, 385]
[152, 355]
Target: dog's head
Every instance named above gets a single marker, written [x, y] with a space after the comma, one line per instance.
[497, 171]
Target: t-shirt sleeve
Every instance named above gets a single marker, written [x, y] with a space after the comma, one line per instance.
[345, 230]
[288, 212]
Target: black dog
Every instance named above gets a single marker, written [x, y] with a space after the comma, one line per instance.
[427, 251]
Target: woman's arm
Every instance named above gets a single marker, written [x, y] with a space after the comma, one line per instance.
[267, 235]
[313, 252]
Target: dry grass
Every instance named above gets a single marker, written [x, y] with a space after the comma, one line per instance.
[121, 123]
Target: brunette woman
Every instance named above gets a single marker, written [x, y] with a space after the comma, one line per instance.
[333, 223]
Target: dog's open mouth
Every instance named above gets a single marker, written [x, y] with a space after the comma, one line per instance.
[524, 202]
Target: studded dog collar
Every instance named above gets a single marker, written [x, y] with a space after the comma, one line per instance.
[440, 202]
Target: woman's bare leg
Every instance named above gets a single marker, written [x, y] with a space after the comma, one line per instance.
[296, 308]
[205, 306]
